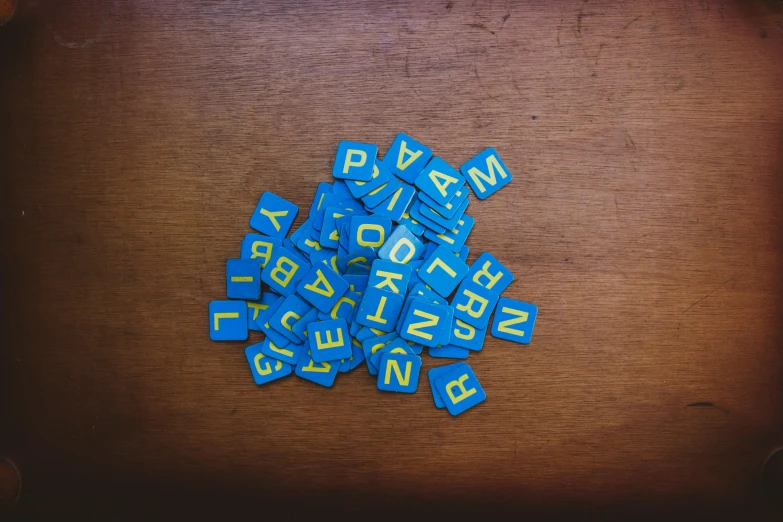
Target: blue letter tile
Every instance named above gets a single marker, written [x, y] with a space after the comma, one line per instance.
[320, 194]
[395, 206]
[401, 247]
[374, 344]
[397, 345]
[273, 215]
[453, 239]
[432, 227]
[363, 256]
[407, 157]
[380, 176]
[228, 320]
[424, 323]
[460, 390]
[436, 373]
[399, 373]
[289, 354]
[486, 173]
[329, 340]
[514, 320]
[440, 181]
[284, 270]
[243, 279]
[300, 327]
[256, 246]
[380, 309]
[450, 223]
[391, 276]
[354, 161]
[368, 231]
[467, 336]
[473, 304]
[263, 368]
[449, 209]
[319, 373]
[322, 287]
[343, 308]
[443, 271]
[490, 273]
[376, 197]
[286, 315]
[256, 308]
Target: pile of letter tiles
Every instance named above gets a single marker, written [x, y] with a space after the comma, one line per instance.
[368, 276]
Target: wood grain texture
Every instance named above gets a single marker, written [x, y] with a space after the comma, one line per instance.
[644, 219]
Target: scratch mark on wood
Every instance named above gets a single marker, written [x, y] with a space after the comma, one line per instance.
[626, 26]
[71, 44]
[505, 17]
[707, 405]
[706, 296]
[559, 45]
[687, 13]
[581, 16]
[478, 79]
[629, 140]
[598, 55]
[481, 26]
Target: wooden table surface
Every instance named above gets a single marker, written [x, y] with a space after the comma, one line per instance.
[644, 219]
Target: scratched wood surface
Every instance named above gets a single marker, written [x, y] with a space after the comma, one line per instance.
[646, 141]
